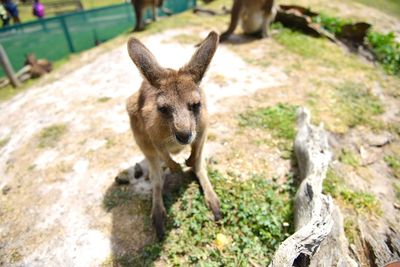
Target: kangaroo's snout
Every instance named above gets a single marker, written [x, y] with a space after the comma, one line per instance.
[184, 138]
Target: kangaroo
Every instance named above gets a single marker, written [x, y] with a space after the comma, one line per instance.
[169, 113]
[255, 15]
[140, 5]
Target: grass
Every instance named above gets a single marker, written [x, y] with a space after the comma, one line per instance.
[256, 219]
[393, 161]
[26, 10]
[397, 191]
[279, 120]
[103, 99]
[362, 202]
[349, 158]
[4, 141]
[350, 230]
[357, 106]
[49, 136]
[391, 7]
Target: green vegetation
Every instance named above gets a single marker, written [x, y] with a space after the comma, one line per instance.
[357, 106]
[387, 6]
[386, 49]
[49, 136]
[103, 99]
[256, 216]
[4, 141]
[350, 230]
[393, 161]
[397, 191]
[279, 119]
[384, 46]
[362, 202]
[349, 158]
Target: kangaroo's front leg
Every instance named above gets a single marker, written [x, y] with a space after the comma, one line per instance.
[173, 166]
[158, 213]
[197, 162]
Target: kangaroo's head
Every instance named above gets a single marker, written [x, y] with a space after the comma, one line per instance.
[179, 101]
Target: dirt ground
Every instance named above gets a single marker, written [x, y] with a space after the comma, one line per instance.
[52, 209]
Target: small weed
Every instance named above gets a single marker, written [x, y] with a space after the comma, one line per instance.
[357, 106]
[103, 99]
[350, 230]
[116, 197]
[349, 158]
[397, 191]
[361, 201]
[393, 161]
[4, 141]
[256, 216]
[31, 167]
[110, 142]
[49, 136]
[15, 256]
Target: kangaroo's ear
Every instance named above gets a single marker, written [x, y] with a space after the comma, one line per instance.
[145, 62]
[199, 62]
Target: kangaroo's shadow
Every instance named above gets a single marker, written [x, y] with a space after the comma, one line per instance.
[130, 205]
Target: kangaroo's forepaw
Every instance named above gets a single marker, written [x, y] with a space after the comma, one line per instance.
[214, 205]
[159, 216]
[190, 162]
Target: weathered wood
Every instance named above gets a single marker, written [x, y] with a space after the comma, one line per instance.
[5, 62]
[319, 238]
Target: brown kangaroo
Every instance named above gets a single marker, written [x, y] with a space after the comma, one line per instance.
[168, 113]
[140, 5]
[255, 15]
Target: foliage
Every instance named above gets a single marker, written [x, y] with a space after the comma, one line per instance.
[360, 201]
[393, 161]
[49, 136]
[349, 158]
[279, 119]
[386, 49]
[384, 46]
[256, 215]
[331, 24]
[357, 105]
[4, 141]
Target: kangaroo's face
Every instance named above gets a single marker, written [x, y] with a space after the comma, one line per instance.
[179, 102]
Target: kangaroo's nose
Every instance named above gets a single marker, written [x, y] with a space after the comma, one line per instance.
[183, 137]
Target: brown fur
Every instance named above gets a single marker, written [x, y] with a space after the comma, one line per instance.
[140, 5]
[255, 15]
[168, 113]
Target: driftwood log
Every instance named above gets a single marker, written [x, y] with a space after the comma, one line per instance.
[319, 237]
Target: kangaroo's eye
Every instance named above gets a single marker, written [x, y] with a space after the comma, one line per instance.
[195, 107]
[164, 110]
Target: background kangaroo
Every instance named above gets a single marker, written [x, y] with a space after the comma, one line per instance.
[140, 5]
[255, 15]
[168, 113]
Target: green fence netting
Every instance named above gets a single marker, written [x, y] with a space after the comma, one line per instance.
[56, 37]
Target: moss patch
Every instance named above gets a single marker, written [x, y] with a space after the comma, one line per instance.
[49, 136]
[362, 202]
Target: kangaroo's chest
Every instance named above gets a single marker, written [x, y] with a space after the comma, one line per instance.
[252, 15]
